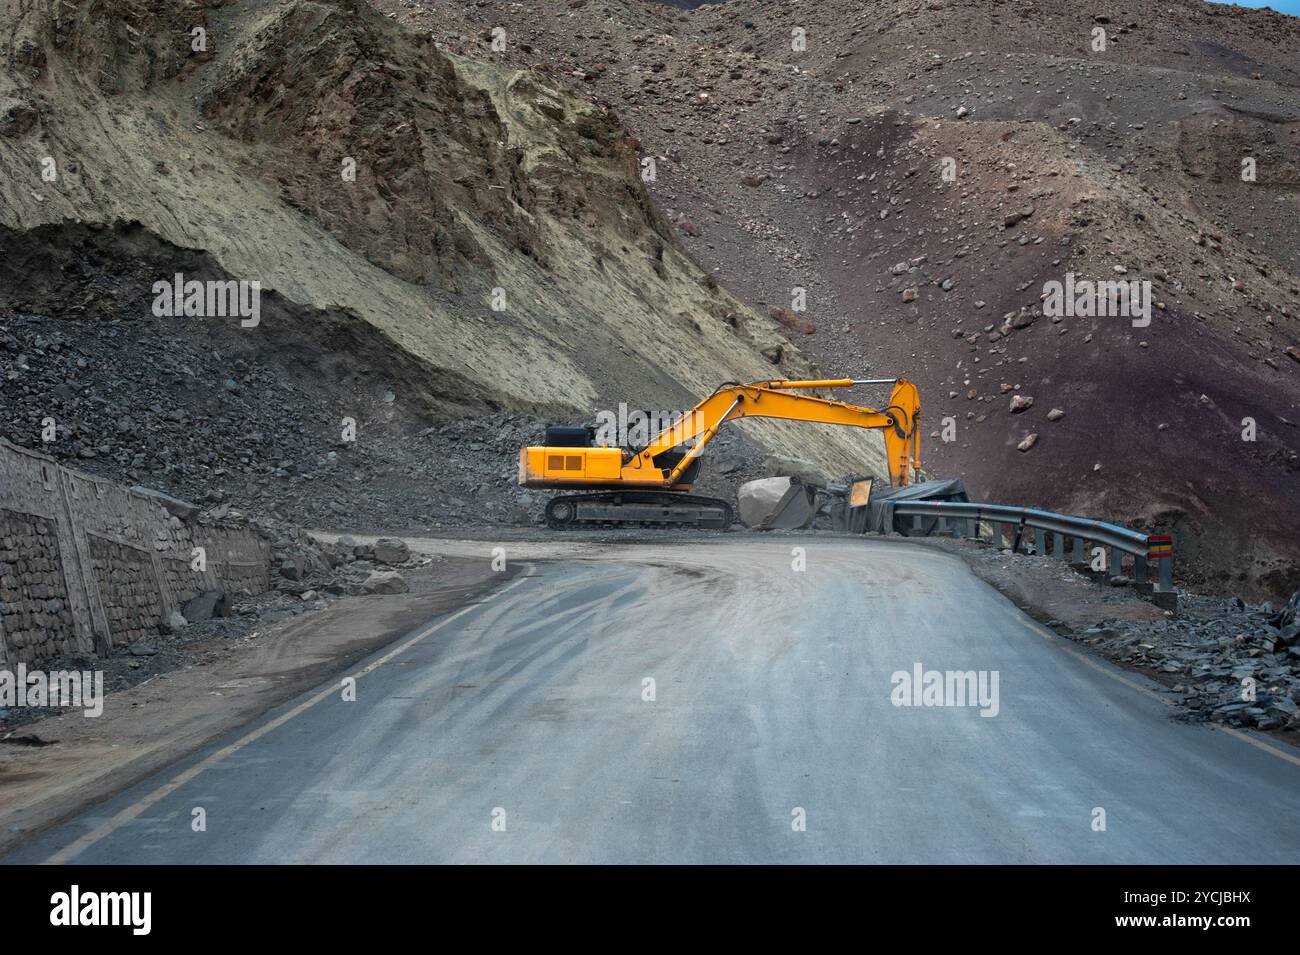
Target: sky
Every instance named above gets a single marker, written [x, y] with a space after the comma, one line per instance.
[1281, 6]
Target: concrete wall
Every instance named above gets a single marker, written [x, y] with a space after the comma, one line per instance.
[86, 565]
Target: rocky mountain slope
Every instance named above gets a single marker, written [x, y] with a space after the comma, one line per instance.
[436, 238]
[823, 168]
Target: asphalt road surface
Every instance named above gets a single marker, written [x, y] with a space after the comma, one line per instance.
[522, 729]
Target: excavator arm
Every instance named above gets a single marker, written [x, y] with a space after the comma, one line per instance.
[776, 399]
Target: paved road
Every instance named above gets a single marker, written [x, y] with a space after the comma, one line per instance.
[772, 702]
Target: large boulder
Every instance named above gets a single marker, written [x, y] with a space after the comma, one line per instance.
[390, 550]
[205, 606]
[384, 582]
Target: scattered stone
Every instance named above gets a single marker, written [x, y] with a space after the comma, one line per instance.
[1023, 318]
[385, 582]
[1020, 215]
[293, 568]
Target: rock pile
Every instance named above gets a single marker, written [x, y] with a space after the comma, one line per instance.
[1231, 662]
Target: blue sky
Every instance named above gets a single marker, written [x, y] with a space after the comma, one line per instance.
[1281, 6]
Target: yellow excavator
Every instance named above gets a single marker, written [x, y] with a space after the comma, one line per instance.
[649, 485]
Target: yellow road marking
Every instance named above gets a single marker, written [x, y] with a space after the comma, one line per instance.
[80, 845]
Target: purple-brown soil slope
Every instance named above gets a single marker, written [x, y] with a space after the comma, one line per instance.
[822, 169]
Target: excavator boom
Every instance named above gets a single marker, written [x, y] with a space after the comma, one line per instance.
[628, 477]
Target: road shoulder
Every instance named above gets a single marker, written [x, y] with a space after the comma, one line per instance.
[82, 761]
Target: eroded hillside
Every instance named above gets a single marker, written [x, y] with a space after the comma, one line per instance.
[434, 238]
[823, 167]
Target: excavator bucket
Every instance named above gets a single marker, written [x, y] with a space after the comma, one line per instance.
[777, 503]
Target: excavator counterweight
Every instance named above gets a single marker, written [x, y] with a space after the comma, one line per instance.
[650, 484]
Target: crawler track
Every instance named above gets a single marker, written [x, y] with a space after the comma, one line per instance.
[639, 508]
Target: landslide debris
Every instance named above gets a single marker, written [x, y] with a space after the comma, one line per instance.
[436, 240]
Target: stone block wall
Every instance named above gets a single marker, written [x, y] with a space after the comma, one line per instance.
[128, 589]
[86, 564]
[34, 613]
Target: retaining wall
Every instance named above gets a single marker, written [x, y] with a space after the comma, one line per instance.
[86, 565]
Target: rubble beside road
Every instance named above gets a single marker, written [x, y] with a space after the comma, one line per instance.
[1222, 660]
[188, 413]
[195, 643]
[1231, 662]
[308, 567]
[204, 682]
[307, 575]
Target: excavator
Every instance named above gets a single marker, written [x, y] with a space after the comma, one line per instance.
[651, 484]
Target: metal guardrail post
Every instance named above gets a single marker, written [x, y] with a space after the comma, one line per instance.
[1058, 546]
[1166, 573]
[1139, 569]
[1076, 553]
[1160, 548]
[1163, 594]
[1040, 542]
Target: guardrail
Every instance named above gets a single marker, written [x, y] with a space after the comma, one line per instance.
[956, 517]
